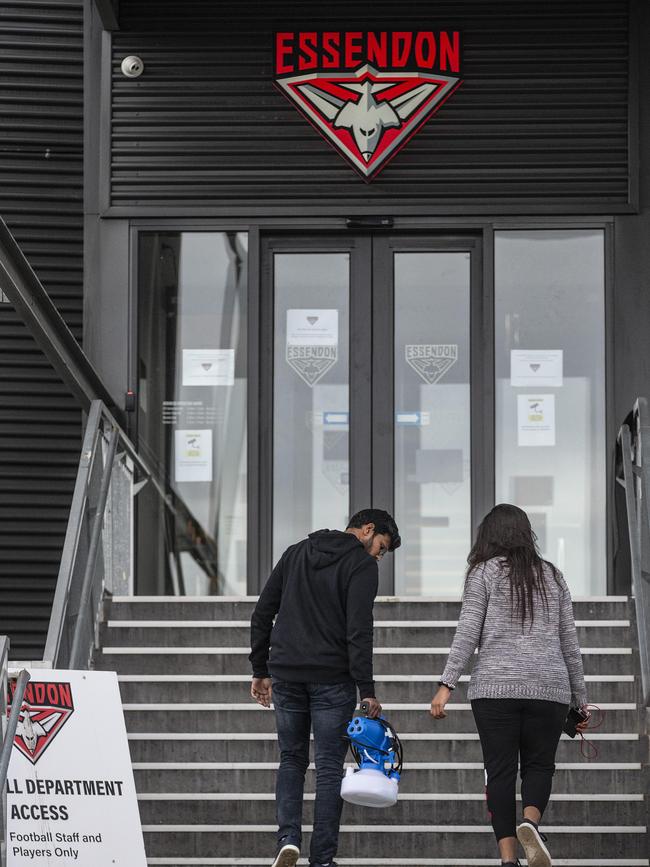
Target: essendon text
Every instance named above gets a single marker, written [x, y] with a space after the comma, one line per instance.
[298, 51]
[50, 694]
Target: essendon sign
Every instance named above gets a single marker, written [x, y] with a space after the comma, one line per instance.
[368, 93]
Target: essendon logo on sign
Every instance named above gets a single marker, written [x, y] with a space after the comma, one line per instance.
[45, 710]
[368, 93]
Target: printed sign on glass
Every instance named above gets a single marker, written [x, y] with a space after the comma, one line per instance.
[312, 342]
[536, 367]
[431, 360]
[193, 455]
[208, 367]
[536, 420]
[368, 93]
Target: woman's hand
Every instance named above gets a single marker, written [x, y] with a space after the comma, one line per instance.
[583, 726]
[439, 701]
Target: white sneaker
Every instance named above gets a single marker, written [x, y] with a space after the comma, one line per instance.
[287, 856]
[530, 838]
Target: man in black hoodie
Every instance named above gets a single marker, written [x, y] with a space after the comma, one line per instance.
[312, 661]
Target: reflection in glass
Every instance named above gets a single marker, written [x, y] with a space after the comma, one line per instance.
[310, 395]
[432, 421]
[192, 411]
[550, 437]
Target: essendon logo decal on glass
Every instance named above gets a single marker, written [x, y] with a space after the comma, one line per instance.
[45, 710]
[368, 93]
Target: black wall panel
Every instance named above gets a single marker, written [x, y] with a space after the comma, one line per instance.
[41, 199]
[540, 123]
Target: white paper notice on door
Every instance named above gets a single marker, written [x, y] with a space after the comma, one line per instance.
[536, 367]
[312, 327]
[193, 455]
[536, 419]
[208, 367]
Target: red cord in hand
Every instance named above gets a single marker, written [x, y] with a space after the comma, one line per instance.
[590, 725]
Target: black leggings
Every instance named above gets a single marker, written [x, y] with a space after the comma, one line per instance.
[512, 728]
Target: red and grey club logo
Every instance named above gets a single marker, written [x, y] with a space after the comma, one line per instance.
[46, 708]
[368, 93]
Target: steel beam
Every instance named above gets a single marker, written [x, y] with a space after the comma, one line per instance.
[107, 14]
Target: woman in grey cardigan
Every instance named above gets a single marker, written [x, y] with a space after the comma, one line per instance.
[517, 610]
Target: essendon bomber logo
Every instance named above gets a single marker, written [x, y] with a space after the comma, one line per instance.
[45, 710]
[368, 93]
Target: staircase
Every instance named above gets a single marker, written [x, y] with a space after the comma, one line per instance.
[204, 755]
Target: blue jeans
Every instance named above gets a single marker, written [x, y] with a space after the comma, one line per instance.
[328, 707]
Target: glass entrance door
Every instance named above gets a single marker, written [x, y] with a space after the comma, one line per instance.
[369, 379]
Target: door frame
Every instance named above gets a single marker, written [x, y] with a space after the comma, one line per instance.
[371, 431]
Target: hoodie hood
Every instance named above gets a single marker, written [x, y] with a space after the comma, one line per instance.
[329, 546]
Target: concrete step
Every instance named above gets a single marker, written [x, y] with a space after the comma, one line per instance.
[604, 841]
[452, 747]
[250, 717]
[234, 660]
[390, 633]
[236, 688]
[205, 757]
[426, 777]
[386, 608]
[441, 808]
[394, 862]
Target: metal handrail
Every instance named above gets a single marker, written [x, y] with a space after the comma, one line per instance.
[79, 580]
[16, 706]
[95, 538]
[633, 459]
[9, 727]
[28, 296]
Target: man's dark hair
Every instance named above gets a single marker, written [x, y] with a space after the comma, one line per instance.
[383, 521]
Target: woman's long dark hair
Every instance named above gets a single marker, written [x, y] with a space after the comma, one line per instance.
[506, 532]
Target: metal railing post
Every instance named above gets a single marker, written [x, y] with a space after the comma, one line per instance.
[12, 725]
[4, 681]
[635, 455]
[641, 584]
[72, 537]
[93, 549]
[9, 731]
[634, 535]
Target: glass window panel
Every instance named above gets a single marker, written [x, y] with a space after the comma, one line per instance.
[311, 473]
[550, 438]
[192, 414]
[432, 421]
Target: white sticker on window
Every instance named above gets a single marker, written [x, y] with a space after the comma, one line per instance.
[208, 367]
[312, 342]
[536, 420]
[536, 367]
[193, 455]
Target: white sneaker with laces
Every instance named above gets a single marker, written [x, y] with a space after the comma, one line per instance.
[287, 856]
[537, 855]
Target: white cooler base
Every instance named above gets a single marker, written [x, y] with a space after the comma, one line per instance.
[368, 788]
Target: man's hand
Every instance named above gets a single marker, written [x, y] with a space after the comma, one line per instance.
[374, 708]
[439, 701]
[262, 690]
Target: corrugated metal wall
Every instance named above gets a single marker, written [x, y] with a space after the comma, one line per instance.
[539, 125]
[41, 199]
